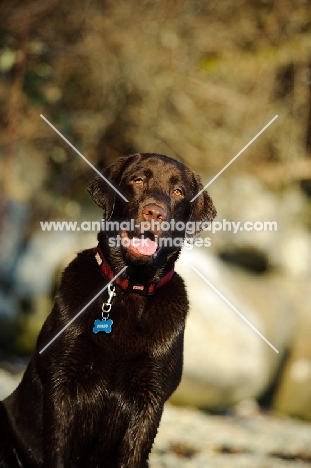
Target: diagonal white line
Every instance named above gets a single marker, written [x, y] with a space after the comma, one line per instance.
[235, 157]
[83, 157]
[82, 310]
[235, 310]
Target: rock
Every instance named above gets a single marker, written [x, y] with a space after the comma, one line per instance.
[250, 201]
[45, 252]
[295, 252]
[273, 298]
[285, 245]
[8, 383]
[225, 361]
[293, 395]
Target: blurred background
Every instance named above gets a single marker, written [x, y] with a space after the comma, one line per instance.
[195, 80]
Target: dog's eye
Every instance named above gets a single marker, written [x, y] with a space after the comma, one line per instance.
[178, 192]
[138, 181]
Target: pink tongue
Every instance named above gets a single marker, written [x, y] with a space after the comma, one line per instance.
[144, 246]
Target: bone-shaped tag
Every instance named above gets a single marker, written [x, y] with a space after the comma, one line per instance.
[103, 325]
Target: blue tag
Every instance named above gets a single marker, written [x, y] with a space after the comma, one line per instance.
[102, 326]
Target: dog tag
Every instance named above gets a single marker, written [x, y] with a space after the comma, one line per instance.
[103, 325]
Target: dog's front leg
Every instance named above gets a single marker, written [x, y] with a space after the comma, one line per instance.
[56, 430]
[137, 442]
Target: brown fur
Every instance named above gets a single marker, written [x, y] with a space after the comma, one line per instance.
[96, 400]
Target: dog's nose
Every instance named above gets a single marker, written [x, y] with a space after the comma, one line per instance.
[154, 211]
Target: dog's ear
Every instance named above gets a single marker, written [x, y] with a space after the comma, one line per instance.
[101, 192]
[203, 209]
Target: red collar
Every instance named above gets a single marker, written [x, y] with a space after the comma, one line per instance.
[127, 285]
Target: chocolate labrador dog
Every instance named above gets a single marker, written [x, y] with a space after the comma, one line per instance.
[111, 351]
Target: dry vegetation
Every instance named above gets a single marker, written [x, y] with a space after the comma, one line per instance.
[192, 79]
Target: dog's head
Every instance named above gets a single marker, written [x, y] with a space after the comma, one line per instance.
[159, 213]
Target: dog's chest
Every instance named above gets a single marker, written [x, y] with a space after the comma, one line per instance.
[132, 323]
[140, 326]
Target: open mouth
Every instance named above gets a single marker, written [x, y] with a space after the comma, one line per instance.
[144, 245]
